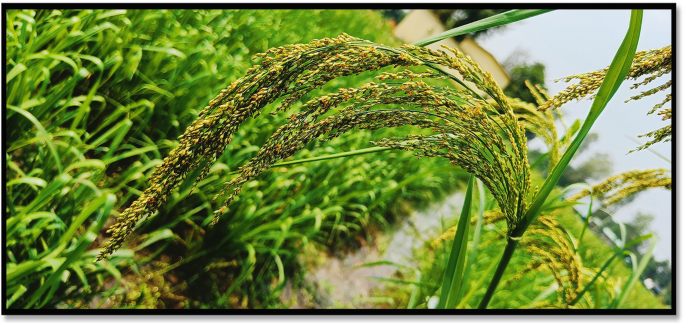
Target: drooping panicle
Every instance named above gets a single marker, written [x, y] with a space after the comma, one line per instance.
[467, 132]
[652, 63]
[618, 187]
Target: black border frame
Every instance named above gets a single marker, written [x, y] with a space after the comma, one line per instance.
[279, 5]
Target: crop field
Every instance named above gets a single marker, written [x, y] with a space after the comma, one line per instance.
[197, 159]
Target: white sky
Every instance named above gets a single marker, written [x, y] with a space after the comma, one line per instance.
[577, 41]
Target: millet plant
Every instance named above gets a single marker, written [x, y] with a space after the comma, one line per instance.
[483, 132]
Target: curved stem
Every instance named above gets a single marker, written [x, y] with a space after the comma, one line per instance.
[618, 70]
[599, 273]
[499, 272]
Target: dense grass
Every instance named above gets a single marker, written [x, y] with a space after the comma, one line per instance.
[97, 98]
[530, 288]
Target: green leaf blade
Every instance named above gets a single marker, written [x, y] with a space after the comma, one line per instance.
[494, 21]
[455, 266]
[615, 75]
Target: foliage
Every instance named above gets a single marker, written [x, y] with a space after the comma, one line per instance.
[74, 162]
[286, 72]
[566, 250]
[531, 281]
[109, 91]
[519, 74]
[395, 15]
[453, 18]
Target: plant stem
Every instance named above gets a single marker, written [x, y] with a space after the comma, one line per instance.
[499, 272]
[649, 149]
[332, 156]
[599, 273]
[615, 75]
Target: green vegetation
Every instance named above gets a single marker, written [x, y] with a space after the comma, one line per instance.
[97, 99]
[519, 74]
[111, 95]
[523, 285]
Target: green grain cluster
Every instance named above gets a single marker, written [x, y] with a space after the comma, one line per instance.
[468, 135]
[108, 130]
[652, 64]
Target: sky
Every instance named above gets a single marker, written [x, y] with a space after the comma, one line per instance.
[572, 42]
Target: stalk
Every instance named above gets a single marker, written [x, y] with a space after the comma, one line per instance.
[615, 75]
[332, 156]
[592, 282]
[499, 272]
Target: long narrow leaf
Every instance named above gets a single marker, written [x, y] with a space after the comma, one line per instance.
[615, 75]
[452, 277]
[477, 284]
[476, 235]
[458, 280]
[42, 132]
[494, 21]
[634, 276]
[599, 274]
[617, 252]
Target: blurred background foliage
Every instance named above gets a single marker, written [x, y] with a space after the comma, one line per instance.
[457, 17]
[97, 98]
[95, 101]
